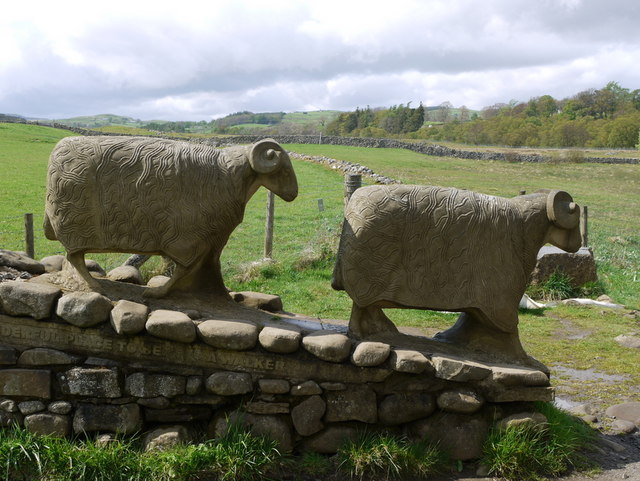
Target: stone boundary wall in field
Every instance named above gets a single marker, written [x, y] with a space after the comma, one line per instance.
[419, 147]
[78, 362]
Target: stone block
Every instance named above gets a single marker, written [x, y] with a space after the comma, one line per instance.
[358, 403]
[463, 401]
[518, 376]
[261, 407]
[158, 281]
[414, 362]
[84, 309]
[328, 345]
[8, 406]
[46, 424]
[402, 408]
[180, 414]
[283, 340]
[8, 355]
[453, 369]
[124, 418]
[128, 274]
[92, 382]
[128, 318]
[461, 436]
[307, 388]
[228, 383]
[274, 386]
[368, 354]
[331, 439]
[194, 385]
[42, 356]
[519, 394]
[272, 427]
[20, 262]
[258, 300]
[233, 335]
[307, 416]
[141, 384]
[28, 299]
[580, 266]
[171, 325]
[25, 382]
[154, 402]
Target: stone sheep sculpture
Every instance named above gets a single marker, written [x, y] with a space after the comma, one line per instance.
[445, 249]
[153, 196]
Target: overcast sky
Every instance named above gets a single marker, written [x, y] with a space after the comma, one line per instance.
[198, 60]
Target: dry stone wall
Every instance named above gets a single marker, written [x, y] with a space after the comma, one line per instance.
[420, 147]
[79, 362]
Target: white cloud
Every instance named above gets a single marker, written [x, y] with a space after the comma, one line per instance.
[199, 59]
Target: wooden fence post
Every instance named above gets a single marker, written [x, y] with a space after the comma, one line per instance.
[584, 227]
[352, 182]
[28, 236]
[268, 237]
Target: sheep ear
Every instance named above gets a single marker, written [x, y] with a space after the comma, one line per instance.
[562, 211]
[265, 156]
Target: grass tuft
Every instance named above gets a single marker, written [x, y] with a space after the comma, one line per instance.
[527, 453]
[389, 457]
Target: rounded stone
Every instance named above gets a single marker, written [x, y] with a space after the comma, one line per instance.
[629, 411]
[283, 340]
[171, 325]
[463, 401]
[164, 438]
[367, 354]
[84, 309]
[229, 383]
[60, 407]
[128, 274]
[234, 335]
[327, 345]
[535, 420]
[128, 318]
[31, 407]
[402, 408]
[622, 426]
[158, 281]
[53, 263]
[409, 361]
[48, 424]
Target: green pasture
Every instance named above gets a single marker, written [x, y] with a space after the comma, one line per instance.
[306, 238]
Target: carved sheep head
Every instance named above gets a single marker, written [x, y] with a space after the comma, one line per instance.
[274, 167]
[564, 215]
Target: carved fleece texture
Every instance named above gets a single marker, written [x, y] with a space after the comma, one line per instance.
[438, 248]
[144, 195]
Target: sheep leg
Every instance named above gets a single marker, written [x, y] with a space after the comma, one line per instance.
[76, 259]
[472, 332]
[369, 320]
[179, 272]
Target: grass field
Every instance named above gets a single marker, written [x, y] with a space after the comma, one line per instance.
[305, 241]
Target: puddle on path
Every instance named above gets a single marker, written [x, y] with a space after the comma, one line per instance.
[587, 374]
[565, 404]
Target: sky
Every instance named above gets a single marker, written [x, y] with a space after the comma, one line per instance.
[200, 60]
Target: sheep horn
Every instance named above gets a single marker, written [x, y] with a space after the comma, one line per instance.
[265, 155]
[561, 210]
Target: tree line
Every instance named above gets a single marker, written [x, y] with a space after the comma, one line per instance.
[606, 117]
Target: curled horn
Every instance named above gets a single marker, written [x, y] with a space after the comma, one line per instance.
[265, 156]
[562, 210]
